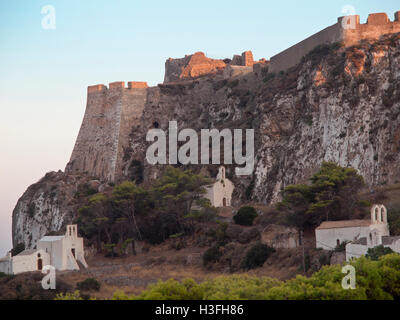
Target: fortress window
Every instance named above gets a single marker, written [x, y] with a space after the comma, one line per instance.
[156, 124]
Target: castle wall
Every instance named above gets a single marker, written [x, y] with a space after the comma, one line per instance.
[133, 104]
[293, 55]
[377, 25]
[109, 116]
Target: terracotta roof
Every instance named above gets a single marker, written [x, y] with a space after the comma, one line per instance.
[344, 224]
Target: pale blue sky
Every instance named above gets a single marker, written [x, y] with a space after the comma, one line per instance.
[44, 73]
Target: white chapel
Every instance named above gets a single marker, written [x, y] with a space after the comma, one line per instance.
[220, 192]
[62, 252]
[359, 235]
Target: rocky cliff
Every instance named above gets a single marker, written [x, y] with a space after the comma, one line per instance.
[339, 104]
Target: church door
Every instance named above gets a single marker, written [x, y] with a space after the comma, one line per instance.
[39, 264]
[224, 202]
[73, 252]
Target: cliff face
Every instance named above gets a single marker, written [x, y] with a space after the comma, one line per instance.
[343, 108]
[338, 104]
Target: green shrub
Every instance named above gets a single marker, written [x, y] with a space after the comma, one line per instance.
[377, 252]
[245, 216]
[88, 285]
[394, 221]
[69, 296]
[85, 190]
[376, 280]
[341, 247]
[257, 255]
[171, 289]
[211, 255]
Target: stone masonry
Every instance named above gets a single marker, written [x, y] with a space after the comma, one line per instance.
[110, 114]
[378, 24]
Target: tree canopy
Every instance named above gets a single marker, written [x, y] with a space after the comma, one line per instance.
[332, 194]
[153, 214]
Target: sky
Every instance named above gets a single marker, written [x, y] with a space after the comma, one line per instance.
[44, 73]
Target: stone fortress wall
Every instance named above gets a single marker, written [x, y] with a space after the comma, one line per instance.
[112, 112]
[104, 133]
[377, 25]
[197, 65]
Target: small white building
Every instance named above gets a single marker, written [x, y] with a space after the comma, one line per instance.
[62, 252]
[330, 234]
[375, 237]
[220, 192]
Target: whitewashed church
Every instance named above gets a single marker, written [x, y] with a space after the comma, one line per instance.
[62, 252]
[360, 235]
[220, 192]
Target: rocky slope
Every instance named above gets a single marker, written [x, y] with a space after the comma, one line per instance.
[48, 205]
[339, 104]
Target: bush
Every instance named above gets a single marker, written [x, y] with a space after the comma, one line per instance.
[69, 296]
[394, 221]
[376, 280]
[245, 216]
[377, 252]
[171, 289]
[257, 255]
[88, 285]
[341, 247]
[211, 255]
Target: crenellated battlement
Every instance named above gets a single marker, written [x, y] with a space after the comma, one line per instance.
[112, 111]
[137, 84]
[97, 88]
[104, 133]
[348, 30]
[374, 19]
[117, 85]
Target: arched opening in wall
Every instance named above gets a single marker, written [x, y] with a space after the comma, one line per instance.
[73, 252]
[70, 232]
[338, 242]
[156, 125]
[370, 237]
[376, 214]
[39, 264]
[224, 202]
